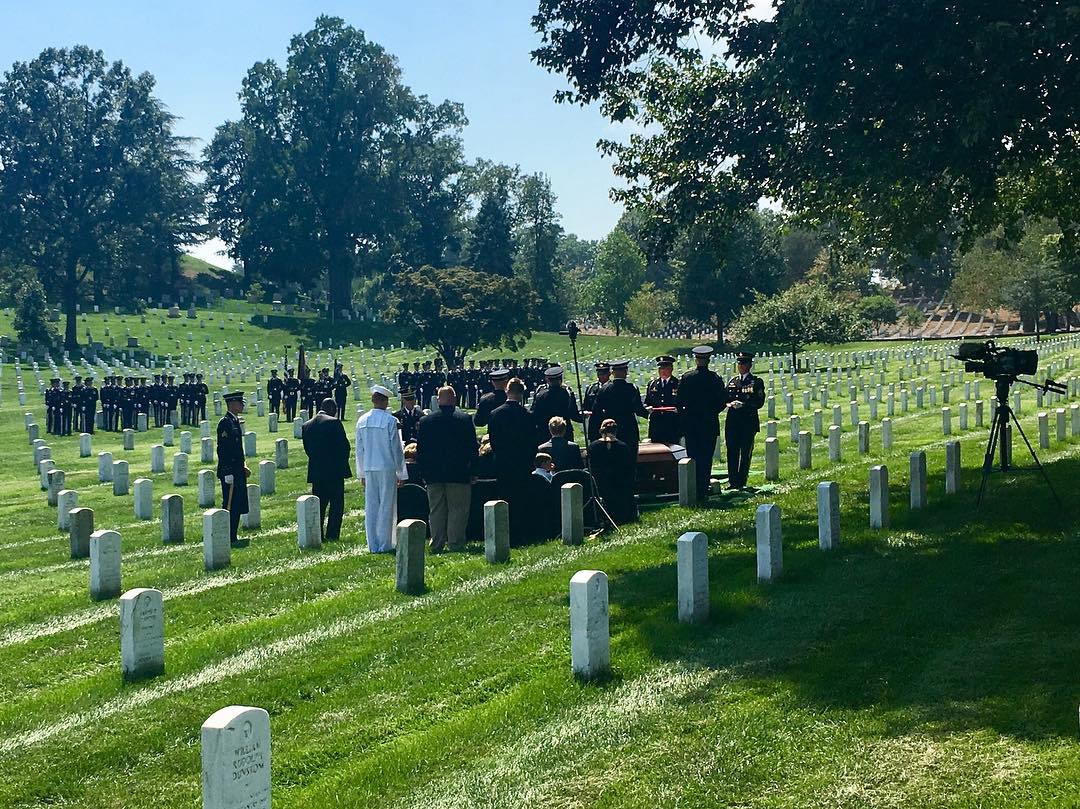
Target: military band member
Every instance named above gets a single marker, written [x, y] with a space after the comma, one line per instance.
[700, 400]
[621, 400]
[274, 388]
[231, 470]
[588, 401]
[408, 416]
[499, 378]
[745, 396]
[554, 399]
[660, 398]
[291, 394]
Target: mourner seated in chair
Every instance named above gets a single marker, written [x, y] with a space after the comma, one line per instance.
[565, 453]
[411, 466]
[545, 466]
[613, 466]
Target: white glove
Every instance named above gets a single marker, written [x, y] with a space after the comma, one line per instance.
[229, 479]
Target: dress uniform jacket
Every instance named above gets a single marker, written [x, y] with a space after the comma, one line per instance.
[621, 400]
[488, 404]
[664, 427]
[554, 401]
[230, 456]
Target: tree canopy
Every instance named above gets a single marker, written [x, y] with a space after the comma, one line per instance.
[620, 272]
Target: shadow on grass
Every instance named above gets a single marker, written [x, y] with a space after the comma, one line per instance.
[954, 619]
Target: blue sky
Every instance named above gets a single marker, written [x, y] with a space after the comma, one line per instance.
[472, 51]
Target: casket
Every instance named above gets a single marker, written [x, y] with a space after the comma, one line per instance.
[658, 468]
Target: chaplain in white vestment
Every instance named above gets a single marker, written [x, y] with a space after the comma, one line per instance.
[380, 465]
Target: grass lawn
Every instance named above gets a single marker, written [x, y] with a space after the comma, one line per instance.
[933, 663]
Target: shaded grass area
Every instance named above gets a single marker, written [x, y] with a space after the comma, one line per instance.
[930, 664]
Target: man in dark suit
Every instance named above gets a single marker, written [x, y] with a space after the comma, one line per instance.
[328, 449]
[513, 439]
[446, 451]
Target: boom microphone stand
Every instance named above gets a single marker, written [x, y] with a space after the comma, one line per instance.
[572, 331]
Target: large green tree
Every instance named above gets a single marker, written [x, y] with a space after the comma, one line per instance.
[490, 245]
[456, 310]
[620, 272]
[94, 185]
[538, 240]
[895, 121]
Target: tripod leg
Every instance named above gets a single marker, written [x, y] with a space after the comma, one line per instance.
[988, 459]
[1038, 463]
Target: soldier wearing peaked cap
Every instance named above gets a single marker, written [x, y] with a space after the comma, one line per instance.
[745, 396]
[588, 401]
[291, 393]
[495, 398]
[621, 400]
[554, 399]
[660, 396]
[231, 470]
[274, 388]
[700, 400]
[408, 416]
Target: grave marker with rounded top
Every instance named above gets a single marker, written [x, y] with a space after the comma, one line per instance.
[770, 551]
[1059, 415]
[497, 531]
[879, 496]
[168, 435]
[571, 502]
[206, 450]
[104, 565]
[793, 426]
[864, 437]
[185, 442]
[267, 477]
[204, 429]
[144, 499]
[805, 457]
[172, 519]
[281, 453]
[838, 416]
[250, 444]
[1074, 420]
[33, 432]
[236, 759]
[54, 480]
[44, 467]
[946, 421]
[272, 426]
[180, 469]
[157, 459]
[85, 445]
[217, 552]
[1044, 430]
[308, 522]
[411, 539]
[120, 478]
[687, 483]
[978, 413]
[66, 500]
[772, 459]
[834, 444]
[129, 439]
[886, 434]
[298, 427]
[253, 518]
[105, 467]
[952, 467]
[828, 510]
[80, 527]
[692, 564]
[142, 634]
[590, 640]
[141, 422]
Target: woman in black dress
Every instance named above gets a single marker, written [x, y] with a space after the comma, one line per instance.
[613, 465]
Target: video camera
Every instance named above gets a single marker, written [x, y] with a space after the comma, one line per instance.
[996, 362]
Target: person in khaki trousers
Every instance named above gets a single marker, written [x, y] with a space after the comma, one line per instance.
[446, 451]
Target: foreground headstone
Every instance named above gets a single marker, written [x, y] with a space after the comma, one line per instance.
[917, 466]
[687, 483]
[80, 527]
[590, 641]
[1044, 430]
[206, 450]
[168, 435]
[879, 497]
[828, 515]
[952, 467]
[772, 459]
[272, 426]
[207, 488]
[308, 522]
[692, 563]
[497, 531]
[172, 519]
[834, 444]
[142, 634]
[1059, 423]
[573, 518]
[805, 457]
[217, 552]
[411, 539]
[66, 500]
[281, 453]
[250, 444]
[298, 427]
[85, 445]
[236, 759]
[119, 478]
[105, 467]
[157, 459]
[267, 477]
[770, 550]
[129, 439]
[144, 499]
[253, 518]
[104, 565]
[55, 481]
[185, 442]
[180, 469]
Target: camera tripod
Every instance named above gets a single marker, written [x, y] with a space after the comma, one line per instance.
[999, 427]
[572, 331]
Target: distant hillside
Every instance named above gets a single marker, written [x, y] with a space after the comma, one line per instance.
[193, 267]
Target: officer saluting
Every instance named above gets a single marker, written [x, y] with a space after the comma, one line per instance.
[231, 470]
[745, 395]
[700, 400]
[664, 427]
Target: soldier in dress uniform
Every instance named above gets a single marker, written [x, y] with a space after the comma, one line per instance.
[621, 400]
[408, 416]
[274, 388]
[700, 400]
[127, 403]
[340, 385]
[307, 396]
[554, 399]
[660, 396]
[745, 396]
[89, 405]
[107, 391]
[171, 398]
[77, 405]
[231, 470]
[291, 391]
[65, 408]
[155, 400]
[184, 391]
[52, 407]
[404, 377]
[201, 391]
[498, 377]
[588, 402]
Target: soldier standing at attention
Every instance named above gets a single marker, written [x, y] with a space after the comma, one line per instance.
[340, 385]
[274, 389]
[231, 470]
[52, 407]
[554, 399]
[664, 427]
[745, 396]
[408, 416]
[65, 409]
[621, 400]
[201, 392]
[588, 402]
[496, 398]
[291, 390]
[89, 405]
[700, 400]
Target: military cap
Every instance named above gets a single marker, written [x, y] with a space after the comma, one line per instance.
[235, 396]
[618, 365]
[500, 373]
[273, 372]
[406, 393]
[77, 377]
[603, 367]
[702, 351]
[198, 376]
[379, 389]
[664, 359]
[554, 372]
[54, 380]
[744, 356]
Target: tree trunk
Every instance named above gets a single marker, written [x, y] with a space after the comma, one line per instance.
[720, 331]
[339, 277]
[795, 358]
[71, 295]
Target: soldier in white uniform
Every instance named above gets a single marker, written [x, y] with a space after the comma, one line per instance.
[380, 465]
